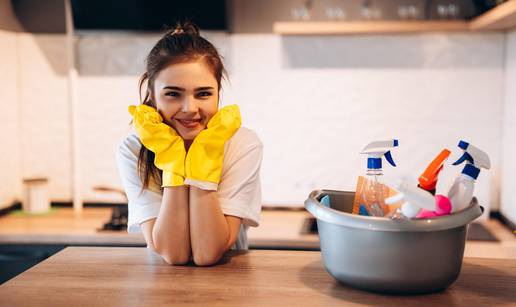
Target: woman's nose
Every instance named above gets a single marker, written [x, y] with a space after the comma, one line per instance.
[189, 105]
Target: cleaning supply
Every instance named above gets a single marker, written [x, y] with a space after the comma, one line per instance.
[389, 256]
[461, 191]
[325, 201]
[442, 207]
[203, 164]
[428, 179]
[163, 141]
[372, 192]
[415, 198]
[358, 204]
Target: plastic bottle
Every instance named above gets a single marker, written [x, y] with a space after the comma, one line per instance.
[373, 192]
[416, 199]
[442, 207]
[428, 179]
[461, 191]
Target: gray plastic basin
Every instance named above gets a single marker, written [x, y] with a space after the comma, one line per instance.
[391, 256]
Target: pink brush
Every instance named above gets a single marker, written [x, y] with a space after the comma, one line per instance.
[442, 207]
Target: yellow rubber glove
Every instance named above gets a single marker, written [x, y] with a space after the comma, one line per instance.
[163, 141]
[206, 154]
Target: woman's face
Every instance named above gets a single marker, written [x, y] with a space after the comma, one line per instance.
[186, 96]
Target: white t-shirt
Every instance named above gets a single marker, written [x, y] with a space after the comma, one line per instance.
[239, 190]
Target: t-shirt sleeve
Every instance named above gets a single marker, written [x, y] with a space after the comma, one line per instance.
[142, 205]
[240, 187]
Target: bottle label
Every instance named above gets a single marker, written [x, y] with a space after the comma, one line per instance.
[370, 198]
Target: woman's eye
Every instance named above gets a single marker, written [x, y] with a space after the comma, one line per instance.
[172, 94]
[204, 94]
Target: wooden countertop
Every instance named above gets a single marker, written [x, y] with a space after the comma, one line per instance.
[279, 229]
[116, 276]
[61, 226]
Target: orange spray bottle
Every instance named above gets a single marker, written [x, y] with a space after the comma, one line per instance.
[428, 179]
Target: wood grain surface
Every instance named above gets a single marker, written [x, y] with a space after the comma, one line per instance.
[116, 276]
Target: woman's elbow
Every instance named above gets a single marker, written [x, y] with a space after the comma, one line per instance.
[205, 261]
[175, 258]
[207, 258]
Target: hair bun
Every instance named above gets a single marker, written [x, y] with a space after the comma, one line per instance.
[186, 27]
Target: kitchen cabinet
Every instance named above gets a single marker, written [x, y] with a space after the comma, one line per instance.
[16, 258]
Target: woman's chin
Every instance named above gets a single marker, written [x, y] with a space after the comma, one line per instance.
[189, 135]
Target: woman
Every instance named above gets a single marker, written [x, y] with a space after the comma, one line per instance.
[191, 173]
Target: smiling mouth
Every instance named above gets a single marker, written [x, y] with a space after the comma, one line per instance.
[192, 123]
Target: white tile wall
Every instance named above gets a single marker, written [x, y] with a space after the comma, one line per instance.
[314, 101]
[508, 199]
[45, 117]
[10, 186]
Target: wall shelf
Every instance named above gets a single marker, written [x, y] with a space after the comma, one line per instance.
[502, 17]
[365, 27]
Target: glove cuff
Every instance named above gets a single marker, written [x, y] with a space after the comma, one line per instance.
[203, 185]
[170, 179]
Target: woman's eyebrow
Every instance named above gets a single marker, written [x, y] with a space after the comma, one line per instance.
[204, 88]
[177, 88]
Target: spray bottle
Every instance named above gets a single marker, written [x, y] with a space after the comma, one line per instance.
[416, 199]
[461, 192]
[428, 179]
[372, 192]
[428, 182]
[442, 207]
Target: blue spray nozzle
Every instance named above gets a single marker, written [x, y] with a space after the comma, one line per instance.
[463, 145]
[465, 157]
[473, 155]
[388, 155]
[378, 149]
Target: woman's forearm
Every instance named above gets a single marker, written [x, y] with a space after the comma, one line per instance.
[171, 231]
[209, 229]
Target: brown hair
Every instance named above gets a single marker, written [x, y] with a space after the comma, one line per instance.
[178, 45]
